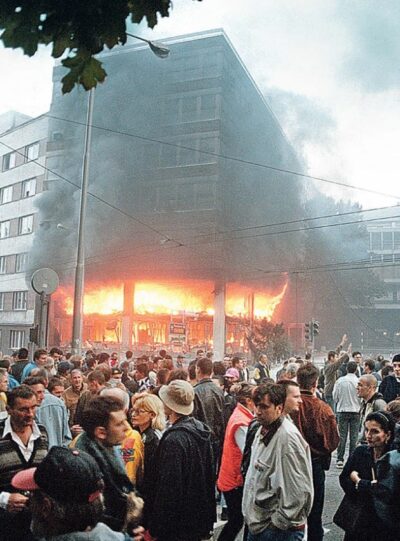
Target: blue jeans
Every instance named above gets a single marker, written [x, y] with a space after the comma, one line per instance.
[270, 534]
[329, 400]
[348, 423]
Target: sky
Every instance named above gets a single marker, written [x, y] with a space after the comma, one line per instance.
[330, 71]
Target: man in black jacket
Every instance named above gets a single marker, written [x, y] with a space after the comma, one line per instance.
[390, 386]
[209, 405]
[261, 369]
[184, 506]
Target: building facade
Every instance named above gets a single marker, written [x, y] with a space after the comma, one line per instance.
[384, 254]
[176, 160]
[22, 157]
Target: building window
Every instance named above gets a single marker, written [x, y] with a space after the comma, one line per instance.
[20, 262]
[205, 196]
[32, 152]
[19, 300]
[6, 194]
[387, 241]
[25, 225]
[396, 240]
[17, 339]
[208, 147]
[9, 161]
[3, 264]
[2, 296]
[376, 241]
[208, 106]
[28, 188]
[4, 229]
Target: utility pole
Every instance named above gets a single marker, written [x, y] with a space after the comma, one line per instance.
[77, 318]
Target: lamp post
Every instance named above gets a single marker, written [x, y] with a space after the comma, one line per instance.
[77, 318]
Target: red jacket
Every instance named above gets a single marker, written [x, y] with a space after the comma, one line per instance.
[229, 473]
[317, 424]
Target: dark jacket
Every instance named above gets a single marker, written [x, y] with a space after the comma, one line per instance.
[251, 434]
[390, 388]
[146, 485]
[362, 462]
[17, 369]
[184, 506]
[386, 492]
[117, 483]
[209, 408]
[261, 371]
[380, 500]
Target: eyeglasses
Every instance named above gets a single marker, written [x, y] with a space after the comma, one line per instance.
[139, 411]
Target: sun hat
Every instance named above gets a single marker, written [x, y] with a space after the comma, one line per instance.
[64, 474]
[178, 396]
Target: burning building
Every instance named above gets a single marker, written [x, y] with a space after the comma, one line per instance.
[189, 181]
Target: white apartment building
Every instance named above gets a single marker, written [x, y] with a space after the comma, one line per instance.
[22, 153]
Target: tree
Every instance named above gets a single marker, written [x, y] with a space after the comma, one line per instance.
[80, 29]
[269, 338]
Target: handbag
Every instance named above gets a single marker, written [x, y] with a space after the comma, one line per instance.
[351, 514]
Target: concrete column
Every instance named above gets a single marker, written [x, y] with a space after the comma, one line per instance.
[127, 317]
[219, 330]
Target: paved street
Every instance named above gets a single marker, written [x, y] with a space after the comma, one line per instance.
[333, 497]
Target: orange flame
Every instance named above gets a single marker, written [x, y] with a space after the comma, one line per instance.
[189, 298]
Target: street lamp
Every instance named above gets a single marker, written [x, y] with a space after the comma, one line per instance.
[161, 51]
[158, 49]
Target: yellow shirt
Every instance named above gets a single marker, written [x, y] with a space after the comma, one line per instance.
[132, 454]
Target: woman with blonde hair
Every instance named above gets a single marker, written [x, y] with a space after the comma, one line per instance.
[148, 417]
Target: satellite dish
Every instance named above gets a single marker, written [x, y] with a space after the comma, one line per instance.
[45, 281]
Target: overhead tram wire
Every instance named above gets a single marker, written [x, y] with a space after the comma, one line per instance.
[179, 243]
[230, 158]
[355, 313]
[186, 245]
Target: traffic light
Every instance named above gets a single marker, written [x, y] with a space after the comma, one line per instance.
[315, 328]
[308, 331]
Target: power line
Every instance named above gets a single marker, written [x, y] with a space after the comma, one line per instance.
[114, 207]
[227, 157]
[308, 228]
[179, 243]
[356, 314]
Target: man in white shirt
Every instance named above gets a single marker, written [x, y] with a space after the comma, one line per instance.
[23, 444]
[347, 410]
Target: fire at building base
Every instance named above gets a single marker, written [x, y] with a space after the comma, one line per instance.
[146, 315]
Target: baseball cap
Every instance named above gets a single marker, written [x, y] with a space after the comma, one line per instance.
[65, 475]
[178, 396]
[232, 373]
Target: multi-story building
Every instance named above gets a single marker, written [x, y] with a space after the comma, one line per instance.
[185, 156]
[383, 329]
[22, 157]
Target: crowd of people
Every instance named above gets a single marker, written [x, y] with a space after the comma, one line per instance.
[96, 447]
